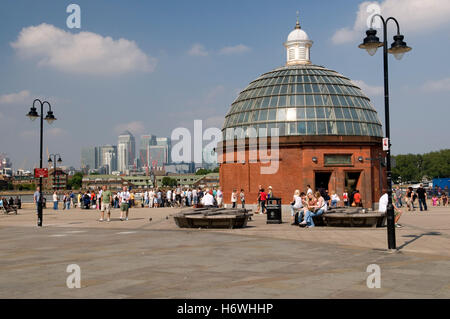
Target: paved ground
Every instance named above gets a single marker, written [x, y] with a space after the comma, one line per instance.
[155, 259]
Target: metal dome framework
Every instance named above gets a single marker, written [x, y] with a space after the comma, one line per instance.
[302, 100]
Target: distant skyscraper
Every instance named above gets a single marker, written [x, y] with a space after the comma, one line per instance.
[109, 158]
[89, 158]
[126, 151]
[159, 153]
[146, 141]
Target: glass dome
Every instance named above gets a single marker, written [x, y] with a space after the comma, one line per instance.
[302, 100]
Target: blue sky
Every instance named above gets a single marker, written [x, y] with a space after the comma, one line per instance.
[181, 61]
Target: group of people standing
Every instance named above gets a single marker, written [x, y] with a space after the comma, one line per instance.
[421, 195]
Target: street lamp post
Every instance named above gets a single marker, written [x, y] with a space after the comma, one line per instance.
[371, 43]
[50, 118]
[54, 166]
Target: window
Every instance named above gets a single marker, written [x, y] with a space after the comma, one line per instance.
[337, 159]
[300, 100]
[263, 115]
[291, 114]
[272, 114]
[311, 128]
[273, 101]
[309, 100]
[281, 115]
[310, 113]
[300, 113]
[321, 128]
[301, 128]
[282, 101]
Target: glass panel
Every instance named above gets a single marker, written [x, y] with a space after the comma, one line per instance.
[279, 79]
[327, 100]
[282, 128]
[338, 113]
[282, 101]
[285, 79]
[357, 128]
[300, 89]
[318, 99]
[340, 128]
[272, 114]
[301, 128]
[337, 89]
[292, 129]
[276, 89]
[315, 88]
[310, 113]
[265, 102]
[309, 100]
[300, 100]
[331, 89]
[246, 116]
[241, 117]
[255, 115]
[291, 89]
[273, 101]
[291, 114]
[331, 127]
[292, 100]
[349, 128]
[311, 128]
[283, 89]
[263, 115]
[347, 115]
[308, 88]
[300, 113]
[335, 100]
[299, 79]
[320, 112]
[321, 128]
[354, 115]
[281, 115]
[269, 90]
[342, 101]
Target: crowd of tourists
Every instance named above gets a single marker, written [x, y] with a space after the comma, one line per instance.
[411, 197]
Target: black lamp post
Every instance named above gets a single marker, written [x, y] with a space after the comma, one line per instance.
[50, 118]
[54, 166]
[371, 43]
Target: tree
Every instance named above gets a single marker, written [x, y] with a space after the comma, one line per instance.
[168, 181]
[202, 171]
[76, 181]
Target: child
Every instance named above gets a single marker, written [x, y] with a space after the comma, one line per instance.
[434, 199]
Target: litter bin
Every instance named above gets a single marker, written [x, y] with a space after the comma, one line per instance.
[274, 210]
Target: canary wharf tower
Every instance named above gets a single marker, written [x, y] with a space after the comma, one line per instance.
[327, 127]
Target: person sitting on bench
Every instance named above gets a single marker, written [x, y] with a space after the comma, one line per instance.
[314, 210]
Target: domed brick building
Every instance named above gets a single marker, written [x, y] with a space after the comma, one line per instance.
[329, 134]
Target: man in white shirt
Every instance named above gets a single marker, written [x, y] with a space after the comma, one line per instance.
[382, 208]
[124, 198]
[208, 200]
[151, 196]
[169, 197]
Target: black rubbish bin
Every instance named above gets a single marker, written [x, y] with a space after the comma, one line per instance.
[274, 210]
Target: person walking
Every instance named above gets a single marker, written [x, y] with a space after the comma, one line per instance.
[382, 208]
[398, 197]
[263, 197]
[107, 199]
[345, 198]
[422, 195]
[124, 197]
[55, 200]
[242, 196]
[233, 198]
[409, 197]
[36, 198]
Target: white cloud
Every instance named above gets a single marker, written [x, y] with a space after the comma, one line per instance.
[369, 89]
[56, 132]
[240, 48]
[15, 98]
[198, 50]
[81, 53]
[412, 15]
[136, 127]
[442, 85]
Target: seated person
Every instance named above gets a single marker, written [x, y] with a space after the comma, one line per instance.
[382, 208]
[315, 210]
[308, 201]
[296, 205]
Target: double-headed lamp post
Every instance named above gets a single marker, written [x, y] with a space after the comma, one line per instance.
[59, 161]
[50, 118]
[371, 43]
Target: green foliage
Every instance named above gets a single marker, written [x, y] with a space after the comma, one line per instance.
[202, 171]
[26, 187]
[413, 167]
[168, 181]
[75, 181]
[216, 170]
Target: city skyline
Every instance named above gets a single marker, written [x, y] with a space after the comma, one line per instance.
[174, 71]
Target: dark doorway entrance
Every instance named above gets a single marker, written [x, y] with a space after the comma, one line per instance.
[322, 180]
[351, 183]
